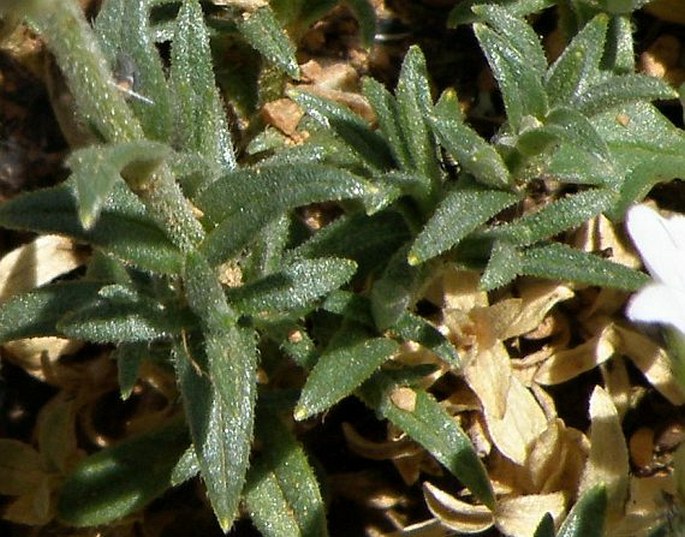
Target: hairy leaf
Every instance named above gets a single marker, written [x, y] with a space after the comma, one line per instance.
[245, 201]
[462, 210]
[123, 478]
[219, 398]
[38, 312]
[96, 169]
[586, 519]
[431, 426]
[281, 493]
[123, 228]
[341, 371]
[560, 262]
[261, 29]
[200, 118]
[127, 40]
[292, 288]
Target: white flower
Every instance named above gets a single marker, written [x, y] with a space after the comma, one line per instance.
[661, 243]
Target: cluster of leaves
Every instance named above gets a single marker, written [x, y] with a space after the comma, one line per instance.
[421, 189]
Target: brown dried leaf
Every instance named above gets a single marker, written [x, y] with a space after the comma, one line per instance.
[519, 516]
[567, 364]
[37, 263]
[608, 461]
[488, 373]
[455, 514]
[520, 426]
[390, 449]
[653, 361]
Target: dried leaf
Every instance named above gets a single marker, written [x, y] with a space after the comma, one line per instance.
[519, 516]
[455, 514]
[608, 462]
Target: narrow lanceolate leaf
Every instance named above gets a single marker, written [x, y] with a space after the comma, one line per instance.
[414, 103]
[567, 125]
[578, 66]
[431, 426]
[393, 292]
[201, 120]
[37, 312]
[281, 493]
[560, 262]
[561, 215]
[472, 153]
[617, 90]
[120, 314]
[368, 240]
[519, 77]
[294, 287]
[220, 399]
[587, 517]
[503, 266]
[462, 13]
[122, 479]
[123, 228]
[546, 527]
[463, 210]
[128, 357]
[262, 30]
[411, 327]
[351, 128]
[389, 121]
[646, 148]
[243, 202]
[124, 32]
[341, 371]
[96, 170]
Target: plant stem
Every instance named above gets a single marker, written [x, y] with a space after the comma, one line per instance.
[78, 54]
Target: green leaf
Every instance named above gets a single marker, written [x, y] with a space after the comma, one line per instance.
[504, 265]
[121, 479]
[294, 287]
[186, 468]
[586, 519]
[261, 29]
[560, 262]
[37, 312]
[462, 210]
[578, 66]
[389, 121]
[569, 126]
[128, 357]
[123, 227]
[341, 371]
[350, 306]
[246, 200]
[120, 314]
[97, 169]
[546, 527]
[394, 291]
[368, 240]
[126, 37]
[351, 128]
[200, 118]
[219, 400]
[281, 493]
[414, 104]
[561, 215]
[646, 149]
[473, 154]
[621, 90]
[432, 427]
[620, 54]
[411, 327]
[517, 62]
[462, 13]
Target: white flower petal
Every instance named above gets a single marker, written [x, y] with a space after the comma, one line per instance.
[661, 243]
[658, 303]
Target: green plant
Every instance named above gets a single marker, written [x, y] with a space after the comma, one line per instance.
[135, 192]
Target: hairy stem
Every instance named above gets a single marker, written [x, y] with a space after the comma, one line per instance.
[72, 41]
